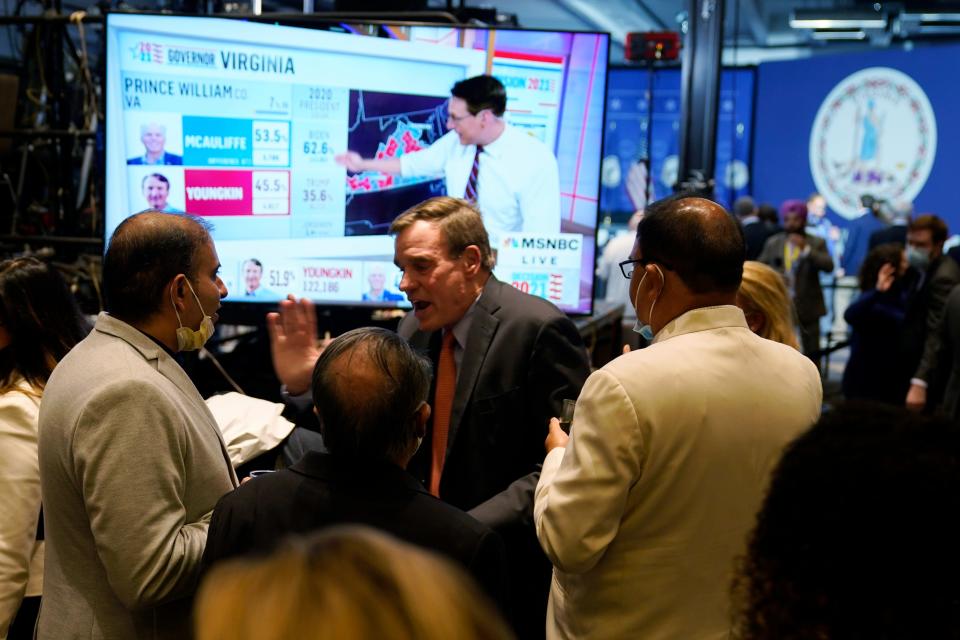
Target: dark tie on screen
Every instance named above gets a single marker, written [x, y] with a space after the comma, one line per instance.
[470, 193]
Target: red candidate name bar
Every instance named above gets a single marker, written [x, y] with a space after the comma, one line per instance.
[219, 192]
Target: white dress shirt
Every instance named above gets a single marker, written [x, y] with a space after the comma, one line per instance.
[518, 182]
[21, 556]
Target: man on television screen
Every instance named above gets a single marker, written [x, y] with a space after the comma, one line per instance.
[510, 176]
[154, 137]
[156, 188]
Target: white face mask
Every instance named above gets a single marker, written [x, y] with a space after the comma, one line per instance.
[643, 329]
[192, 339]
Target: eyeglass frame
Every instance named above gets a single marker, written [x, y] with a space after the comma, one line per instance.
[642, 262]
[458, 119]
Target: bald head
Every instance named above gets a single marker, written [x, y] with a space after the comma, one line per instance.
[697, 239]
[146, 251]
[367, 387]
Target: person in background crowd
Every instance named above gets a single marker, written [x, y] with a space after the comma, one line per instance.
[854, 247]
[131, 459]
[766, 304]
[818, 224]
[345, 582]
[755, 230]
[617, 288]
[857, 537]
[876, 317]
[801, 257]
[768, 214]
[930, 281]
[643, 508]
[39, 324]
[949, 355]
[900, 213]
[856, 241]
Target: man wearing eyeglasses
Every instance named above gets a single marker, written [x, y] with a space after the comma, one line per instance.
[510, 176]
[645, 506]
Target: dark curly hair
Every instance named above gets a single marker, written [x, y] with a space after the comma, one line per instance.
[857, 537]
[889, 253]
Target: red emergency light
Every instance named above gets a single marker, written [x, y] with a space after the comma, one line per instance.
[652, 45]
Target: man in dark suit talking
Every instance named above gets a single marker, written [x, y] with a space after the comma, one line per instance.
[504, 362]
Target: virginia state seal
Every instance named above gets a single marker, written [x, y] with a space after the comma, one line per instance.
[876, 134]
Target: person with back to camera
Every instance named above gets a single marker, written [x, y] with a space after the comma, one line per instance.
[644, 506]
[131, 459]
[511, 177]
[345, 582]
[857, 536]
[755, 230]
[766, 304]
[39, 324]
[370, 394]
[874, 370]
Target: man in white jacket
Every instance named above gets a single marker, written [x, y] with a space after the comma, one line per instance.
[645, 507]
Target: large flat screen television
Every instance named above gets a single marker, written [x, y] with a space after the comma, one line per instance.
[240, 122]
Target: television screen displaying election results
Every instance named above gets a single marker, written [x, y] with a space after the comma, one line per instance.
[247, 124]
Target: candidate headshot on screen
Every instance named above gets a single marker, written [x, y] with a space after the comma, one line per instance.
[252, 275]
[377, 278]
[154, 138]
[156, 188]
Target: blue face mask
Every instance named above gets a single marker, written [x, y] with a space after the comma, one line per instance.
[918, 258]
[643, 329]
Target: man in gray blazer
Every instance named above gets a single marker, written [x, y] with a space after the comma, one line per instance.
[131, 460]
[800, 256]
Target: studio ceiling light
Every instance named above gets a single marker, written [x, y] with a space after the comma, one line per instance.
[816, 19]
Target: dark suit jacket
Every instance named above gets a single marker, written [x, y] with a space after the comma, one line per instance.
[321, 490]
[949, 354]
[522, 358]
[874, 370]
[807, 293]
[921, 337]
[755, 234]
[893, 233]
[168, 158]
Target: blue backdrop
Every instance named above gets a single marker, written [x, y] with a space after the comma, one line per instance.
[789, 95]
[625, 134]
